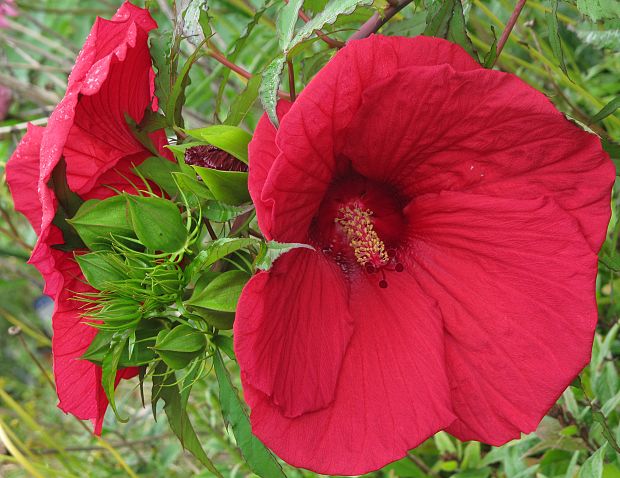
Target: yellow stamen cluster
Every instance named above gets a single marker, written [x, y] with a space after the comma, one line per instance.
[363, 239]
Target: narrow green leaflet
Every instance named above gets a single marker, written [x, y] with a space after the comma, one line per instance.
[215, 251]
[231, 139]
[242, 104]
[157, 222]
[327, 16]
[593, 467]
[438, 18]
[222, 293]
[491, 56]
[258, 457]
[165, 387]
[177, 95]
[161, 42]
[109, 367]
[271, 250]
[599, 9]
[554, 35]
[457, 30]
[268, 91]
[287, 21]
[607, 110]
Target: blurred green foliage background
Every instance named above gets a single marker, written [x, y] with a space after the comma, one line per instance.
[37, 51]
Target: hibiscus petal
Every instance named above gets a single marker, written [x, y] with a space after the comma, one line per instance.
[480, 131]
[292, 328]
[263, 152]
[514, 280]
[392, 391]
[21, 173]
[310, 136]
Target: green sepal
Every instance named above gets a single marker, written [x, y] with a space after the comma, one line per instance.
[110, 366]
[98, 220]
[141, 354]
[182, 338]
[230, 187]
[157, 222]
[159, 170]
[190, 184]
[220, 212]
[221, 293]
[101, 269]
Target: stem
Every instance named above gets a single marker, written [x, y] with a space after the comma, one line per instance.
[375, 22]
[509, 26]
[291, 80]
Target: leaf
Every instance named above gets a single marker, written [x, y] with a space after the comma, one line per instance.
[101, 269]
[491, 56]
[438, 18]
[272, 250]
[242, 103]
[160, 44]
[97, 220]
[141, 355]
[190, 184]
[593, 466]
[599, 9]
[182, 338]
[109, 367]
[177, 95]
[159, 170]
[287, 21]
[230, 187]
[327, 16]
[225, 344]
[165, 387]
[268, 91]
[222, 293]
[213, 252]
[193, 20]
[257, 456]
[611, 262]
[218, 319]
[231, 139]
[68, 205]
[554, 35]
[607, 110]
[457, 30]
[157, 222]
[607, 433]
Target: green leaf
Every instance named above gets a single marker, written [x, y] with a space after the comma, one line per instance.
[109, 367]
[242, 103]
[491, 56]
[230, 187]
[159, 170]
[177, 95]
[287, 21]
[225, 344]
[611, 262]
[554, 35]
[607, 110]
[222, 293]
[218, 319]
[213, 252]
[141, 355]
[593, 466]
[438, 18]
[327, 16]
[157, 222]
[182, 338]
[97, 220]
[599, 9]
[190, 184]
[272, 250]
[268, 91]
[160, 44]
[257, 456]
[457, 30]
[165, 387]
[68, 205]
[193, 20]
[101, 269]
[231, 139]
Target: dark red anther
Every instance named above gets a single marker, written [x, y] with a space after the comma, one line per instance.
[383, 284]
[370, 269]
[399, 267]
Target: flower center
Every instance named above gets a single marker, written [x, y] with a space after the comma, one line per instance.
[360, 225]
[368, 248]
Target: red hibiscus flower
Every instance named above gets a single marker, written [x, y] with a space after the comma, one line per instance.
[455, 216]
[112, 77]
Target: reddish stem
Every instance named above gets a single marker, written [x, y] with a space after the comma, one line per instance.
[291, 79]
[375, 22]
[216, 55]
[509, 26]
